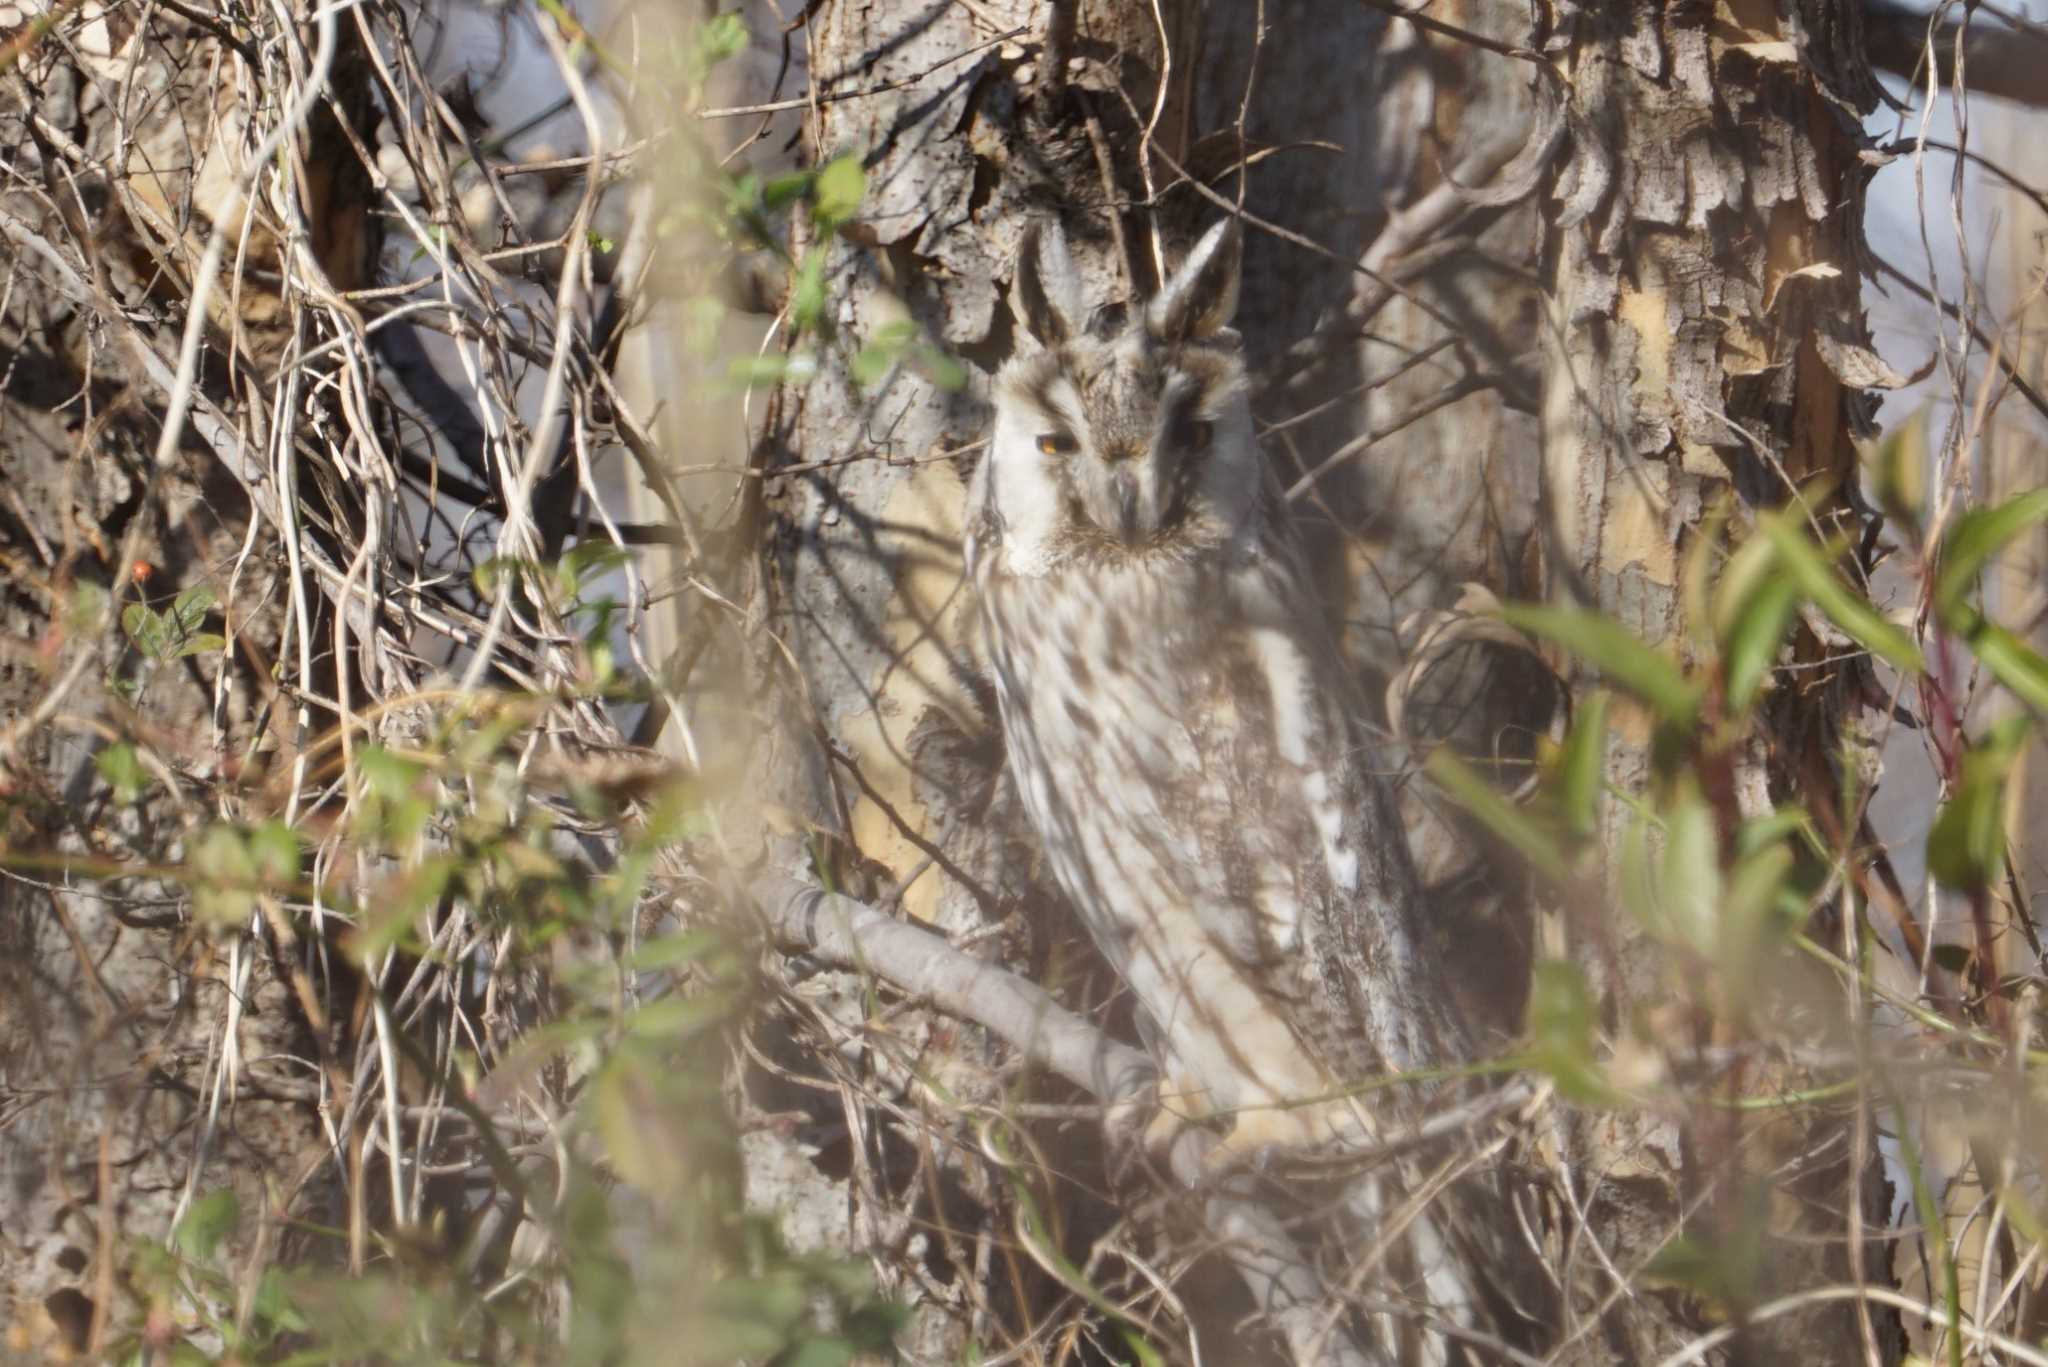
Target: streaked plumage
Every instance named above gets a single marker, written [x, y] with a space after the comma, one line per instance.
[1177, 715]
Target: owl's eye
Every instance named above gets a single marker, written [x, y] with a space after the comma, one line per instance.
[1057, 444]
[1195, 435]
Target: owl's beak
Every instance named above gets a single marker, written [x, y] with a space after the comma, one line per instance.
[1126, 507]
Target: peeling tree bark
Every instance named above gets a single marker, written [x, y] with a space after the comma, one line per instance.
[1705, 341]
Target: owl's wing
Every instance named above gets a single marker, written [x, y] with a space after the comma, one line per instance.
[1317, 812]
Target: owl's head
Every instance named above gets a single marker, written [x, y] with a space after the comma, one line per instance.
[1130, 439]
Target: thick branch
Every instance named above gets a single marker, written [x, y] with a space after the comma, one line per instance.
[850, 934]
[1996, 59]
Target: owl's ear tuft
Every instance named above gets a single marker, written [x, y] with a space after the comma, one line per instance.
[1201, 296]
[1047, 295]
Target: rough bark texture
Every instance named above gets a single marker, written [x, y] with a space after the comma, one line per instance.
[1704, 338]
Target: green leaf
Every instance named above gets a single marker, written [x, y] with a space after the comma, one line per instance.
[208, 1220]
[673, 951]
[1756, 630]
[1510, 823]
[722, 38]
[1979, 535]
[585, 561]
[819, 1353]
[275, 851]
[807, 292]
[1843, 605]
[501, 571]
[784, 191]
[2013, 664]
[884, 350]
[1561, 1021]
[86, 611]
[1749, 915]
[1898, 472]
[1605, 644]
[386, 775]
[1689, 876]
[1581, 772]
[203, 643]
[1774, 825]
[678, 1017]
[748, 371]
[1966, 847]
[871, 365]
[148, 630]
[223, 875]
[1748, 568]
[189, 608]
[837, 195]
[1723, 1269]
[121, 767]
[940, 368]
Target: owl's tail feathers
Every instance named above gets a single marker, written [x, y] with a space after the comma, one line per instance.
[1448, 1283]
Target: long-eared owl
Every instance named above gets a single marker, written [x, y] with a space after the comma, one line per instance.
[1177, 716]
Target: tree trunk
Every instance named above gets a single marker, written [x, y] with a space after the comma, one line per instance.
[1705, 340]
[1697, 330]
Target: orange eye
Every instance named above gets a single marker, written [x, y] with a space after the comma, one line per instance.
[1198, 435]
[1057, 444]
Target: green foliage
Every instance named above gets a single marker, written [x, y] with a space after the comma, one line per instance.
[1561, 1031]
[1617, 653]
[1823, 584]
[646, 1223]
[121, 766]
[1966, 847]
[173, 633]
[1721, 891]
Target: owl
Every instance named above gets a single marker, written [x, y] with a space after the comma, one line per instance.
[1178, 721]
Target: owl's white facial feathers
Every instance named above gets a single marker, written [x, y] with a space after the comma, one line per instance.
[1135, 443]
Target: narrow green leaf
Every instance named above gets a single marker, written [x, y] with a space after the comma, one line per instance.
[1581, 769]
[588, 560]
[1510, 823]
[723, 36]
[807, 292]
[1978, 536]
[1561, 1021]
[1689, 876]
[672, 951]
[1843, 605]
[1966, 846]
[205, 643]
[841, 186]
[940, 368]
[1605, 644]
[1747, 570]
[1751, 648]
[2013, 664]
[1748, 916]
[208, 1220]
[1898, 472]
[387, 775]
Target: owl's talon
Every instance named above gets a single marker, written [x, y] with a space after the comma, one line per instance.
[1146, 1128]
[1268, 1135]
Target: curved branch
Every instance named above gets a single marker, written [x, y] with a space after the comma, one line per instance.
[851, 934]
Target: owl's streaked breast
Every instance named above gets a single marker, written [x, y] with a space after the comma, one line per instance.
[1142, 727]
